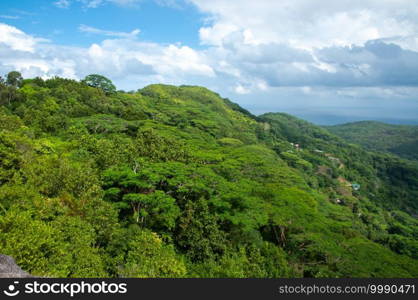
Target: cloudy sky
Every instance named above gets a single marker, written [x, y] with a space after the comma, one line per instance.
[326, 61]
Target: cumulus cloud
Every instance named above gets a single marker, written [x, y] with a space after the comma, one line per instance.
[307, 23]
[312, 43]
[252, 46]
[16, 39]
[374, 64]
[131, 63]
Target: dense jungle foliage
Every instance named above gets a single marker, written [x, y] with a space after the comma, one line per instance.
[177, 182]
[401, 140]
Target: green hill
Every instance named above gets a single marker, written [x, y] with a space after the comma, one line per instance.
[401, 140]
[179, 182]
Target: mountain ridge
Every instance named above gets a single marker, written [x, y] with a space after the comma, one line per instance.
[178, 182]
[401, 140]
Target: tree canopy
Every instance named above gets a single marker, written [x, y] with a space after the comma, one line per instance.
[14, 79]
[178, 182]
[100, 82]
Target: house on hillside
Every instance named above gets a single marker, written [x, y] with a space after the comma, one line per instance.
[296, 146]
[355, 186]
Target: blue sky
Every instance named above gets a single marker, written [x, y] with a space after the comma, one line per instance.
[161, 23]
[323, 60]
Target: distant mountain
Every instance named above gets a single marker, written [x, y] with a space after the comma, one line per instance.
[401, 140]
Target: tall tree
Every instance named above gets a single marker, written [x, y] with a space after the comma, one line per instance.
[100, 82]
[14, 78]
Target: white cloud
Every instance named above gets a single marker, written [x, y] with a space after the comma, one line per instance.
[62, 3]
[97, 3]
[125, 2]
[253, 46]
[131, 63]
[178, 4]
[89, 29]
[17, 39]
[309, 42]
[129, 3]
[90, 3]
[309, 23]
[9, 17]
[239, 89]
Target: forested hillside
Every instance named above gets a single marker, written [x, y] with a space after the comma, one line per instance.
[401, 140]
[177, 182]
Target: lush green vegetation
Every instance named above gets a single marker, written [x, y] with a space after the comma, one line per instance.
[401, 140]
[178, 182]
